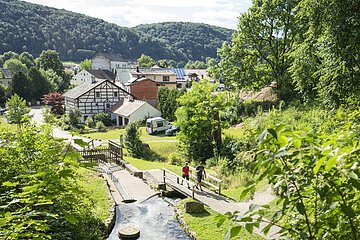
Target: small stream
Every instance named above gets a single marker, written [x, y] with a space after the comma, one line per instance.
[154, 217]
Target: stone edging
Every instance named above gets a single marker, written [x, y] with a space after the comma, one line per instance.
[110, 221]
[182, 222]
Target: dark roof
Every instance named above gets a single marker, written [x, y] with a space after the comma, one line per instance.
[153, 71]
[87, 86]
[103, 74]
[7, 73]
[111, 57]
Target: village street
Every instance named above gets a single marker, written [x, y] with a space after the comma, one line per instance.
[38, 117]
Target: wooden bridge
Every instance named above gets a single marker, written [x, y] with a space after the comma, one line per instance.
[112, 153]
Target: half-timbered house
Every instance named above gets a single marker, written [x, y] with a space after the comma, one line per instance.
[94, 97]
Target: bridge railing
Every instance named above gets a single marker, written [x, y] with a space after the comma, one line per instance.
[178, 178]
[211, 181]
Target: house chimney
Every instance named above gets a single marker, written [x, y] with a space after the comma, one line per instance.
[93, 79]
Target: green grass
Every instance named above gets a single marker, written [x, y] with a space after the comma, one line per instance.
[96, 189]
[235, 192]
[4, 126]
[147, 165]
[164, 149]
[109, 135]
[204, 224]
[237, 132]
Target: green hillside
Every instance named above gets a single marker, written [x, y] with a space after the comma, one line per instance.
[33, 28]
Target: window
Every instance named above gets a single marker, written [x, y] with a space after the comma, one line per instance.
[166, 78]
[107, 105]
[115, 94]
[160, 123]
[97, 94]
[126, 121]
[193, 77]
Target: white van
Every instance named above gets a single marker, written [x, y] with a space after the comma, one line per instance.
[156, 125]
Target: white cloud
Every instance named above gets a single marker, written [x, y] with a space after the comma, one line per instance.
[134, 12]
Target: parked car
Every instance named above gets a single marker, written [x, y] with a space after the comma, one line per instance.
[157, 125]
[172, 131]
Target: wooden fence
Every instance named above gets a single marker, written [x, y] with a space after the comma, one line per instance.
[112, 153]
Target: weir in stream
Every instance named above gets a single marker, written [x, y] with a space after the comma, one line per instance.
[154, 217]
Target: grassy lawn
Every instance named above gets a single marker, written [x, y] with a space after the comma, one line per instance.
[109, 135]
[4, 126]
[96, 189]
[234, 132]
[204, 224]
[163, 148]
[234, 193]
[147, 165]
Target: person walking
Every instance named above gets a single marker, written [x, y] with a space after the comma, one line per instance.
[185, 173]
[200, 174]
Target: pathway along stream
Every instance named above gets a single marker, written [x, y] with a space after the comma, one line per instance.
[154, 217]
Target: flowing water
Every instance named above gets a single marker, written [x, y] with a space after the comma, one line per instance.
[154, 217]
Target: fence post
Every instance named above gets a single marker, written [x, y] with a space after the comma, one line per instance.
[164, 175]
[219, 188]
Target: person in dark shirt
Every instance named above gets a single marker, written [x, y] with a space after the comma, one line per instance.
[185, 173]
[200, 174]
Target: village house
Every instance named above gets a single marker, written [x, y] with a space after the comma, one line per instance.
[107, 61]
[6, 77]
[143, 89]
[184, 76]
[92, 75]
[94, 97]
[130, 110]
[163, 76]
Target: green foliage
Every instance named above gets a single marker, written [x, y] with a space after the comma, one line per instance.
[100, 126]
[167, 102]
[34, 28]
[73, 118]
[132, 141]
[89, 122]
[85, 65]
[38, 84]
[316, 175]
[40, 198]
[104, 118]
[4, 92]
[145, 61]
[198, 119]
[18, 112]
[49, 118]
[195, 65]
[15, 66]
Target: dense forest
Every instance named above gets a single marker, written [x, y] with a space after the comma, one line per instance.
[34, 28]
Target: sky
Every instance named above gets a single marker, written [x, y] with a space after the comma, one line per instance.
[130, 13]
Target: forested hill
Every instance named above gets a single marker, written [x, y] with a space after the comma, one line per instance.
[33, 28]
[192, 39]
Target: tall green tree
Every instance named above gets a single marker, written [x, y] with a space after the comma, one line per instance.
[39, 84]
[17, 112]
[145, 61]
[85, 65]
[195, 65]
[50, 59]
[15, 66]
[198, 119]
[258, 53]
[27, 59]
[21, 86]
[167, 102]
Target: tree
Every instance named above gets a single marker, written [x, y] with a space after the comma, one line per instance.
[167, 102]
[3, 94]
[198, 119]
[54, 80]
[21, 86]
[56, 101]
[195, 65]
[258, 53]
[15, 66]
[164, 63]
[85, 65]
[74, 117]
[145, 61]
[316, 175]
[39, 84]
[27, 59]
[132, 141]
[17, 112]
[50, 59]
[104, 118]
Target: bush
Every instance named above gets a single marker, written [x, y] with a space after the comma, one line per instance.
[176, 159]
[104, 118]
[100, 126]
[90, 122]
[132, 141]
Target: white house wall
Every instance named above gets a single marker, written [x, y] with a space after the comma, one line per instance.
[144, 112]
[81, 77]
[100, 63]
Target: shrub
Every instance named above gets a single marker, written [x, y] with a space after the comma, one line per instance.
[176, 158]
[100, 126]
[104, 118]
[90, 122]
[132, 141]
